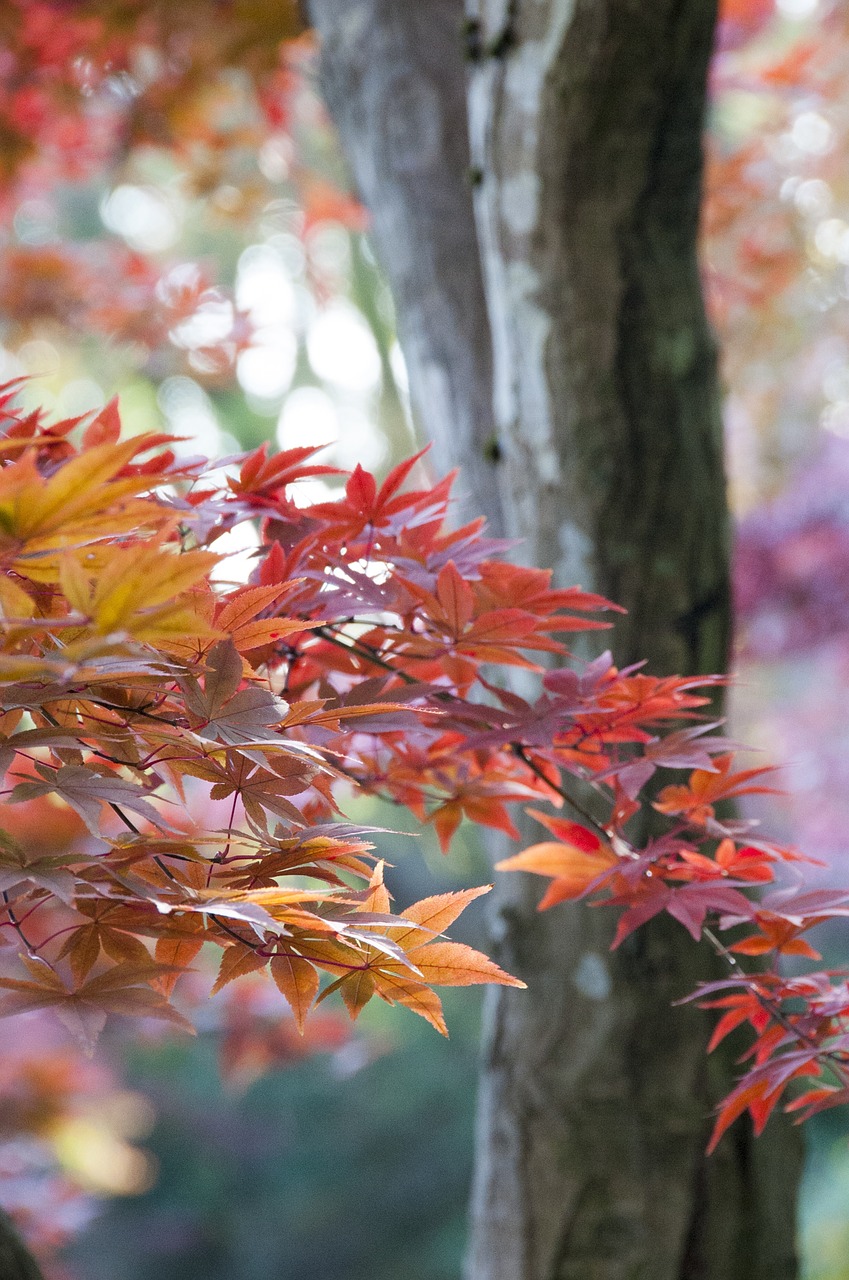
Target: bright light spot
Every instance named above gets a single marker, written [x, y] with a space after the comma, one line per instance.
[122, 87]
[592, 977]
[82, 395]
[280, 216]
[789, 187]
[378, 570]
[306, 306]
[813, 198]
[308, 417]
[832, 239]
[520, 201]
[264, 286]
[359, 441]
[181, 285]
[797, 8]
[342, 349]
[210, 324]
[39, 357]
[189, 413]
[99, 1160]
[399, 368]
[835, 418]
[275, 158]
[128, 1114]
[227, 198]
[782, 149]
[308, 492]
[238, 545]
[811, 132]
[143, 216]
[10, 365]
[291, 251]
[175, 394]
[147, 64]
[266, 369]
[329, 248]
[835, 383]
[182, 280]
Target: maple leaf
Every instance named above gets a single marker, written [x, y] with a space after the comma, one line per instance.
[86, 790]
[696, 800]
[481, 800]
[121, 989]
[364, 505]
[776, 933]
[298, 981]
[84, 944]
[139, 590]
[241, 718]
[437, 913]
[517, 586]
[237, 960]
[237, 618]
[453, 964]
[263, 477]
[760, 1090]
[746, 863]
[574, 861]
[51, 872]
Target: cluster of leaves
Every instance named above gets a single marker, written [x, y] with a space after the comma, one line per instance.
[70, 1129]
[82, 82]
[699, 871]
[177, 101]
[88, 89]
[131, 678]
[138, 690]
[67, 1135]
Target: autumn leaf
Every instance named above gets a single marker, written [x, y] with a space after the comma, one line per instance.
[237, 961]
[705, 789]
[121, 989]
[298, 981]
[572, 867]
[453, 964]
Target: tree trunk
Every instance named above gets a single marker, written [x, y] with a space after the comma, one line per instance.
[605, 458]
[402, 122]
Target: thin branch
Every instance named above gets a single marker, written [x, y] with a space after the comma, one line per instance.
[16, 925]
[836, 1062]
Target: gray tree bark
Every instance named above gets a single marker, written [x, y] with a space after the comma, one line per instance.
[601, 449]
[402, 121]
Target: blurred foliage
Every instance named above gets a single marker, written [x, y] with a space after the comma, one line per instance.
[268, 1182]
[185, 238]
[824, 1223]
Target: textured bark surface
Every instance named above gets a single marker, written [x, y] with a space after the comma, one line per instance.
[16, 1263]
[585, 124]
[402, 121]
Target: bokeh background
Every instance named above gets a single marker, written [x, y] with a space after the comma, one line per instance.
[176, 229]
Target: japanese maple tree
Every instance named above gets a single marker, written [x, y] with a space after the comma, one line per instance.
[366, 652]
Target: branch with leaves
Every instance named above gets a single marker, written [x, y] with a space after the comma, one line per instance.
[141, 695]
